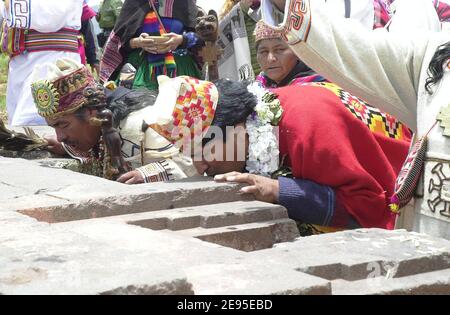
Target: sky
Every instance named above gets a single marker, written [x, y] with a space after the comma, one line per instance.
[210, 4]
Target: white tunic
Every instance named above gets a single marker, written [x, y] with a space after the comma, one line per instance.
[388, 70]
[42, 16]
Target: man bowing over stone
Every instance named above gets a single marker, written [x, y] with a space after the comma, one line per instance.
[104, 134]
[333, 164]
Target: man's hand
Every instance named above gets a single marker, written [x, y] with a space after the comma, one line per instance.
[55, 146]
[131, 178]
[7, 5]
[263, 188]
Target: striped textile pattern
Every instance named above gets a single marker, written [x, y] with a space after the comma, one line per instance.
[376, 120]
[63, 40]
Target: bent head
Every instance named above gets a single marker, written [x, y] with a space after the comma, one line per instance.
[76, 130]
[224, 153]
[225, 147]
[67, 96]
[206, 119]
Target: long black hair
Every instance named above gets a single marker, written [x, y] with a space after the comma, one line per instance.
[235, 104]
[436, 69]
[121, 101]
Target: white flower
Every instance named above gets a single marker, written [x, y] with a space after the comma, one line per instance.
[263, 157]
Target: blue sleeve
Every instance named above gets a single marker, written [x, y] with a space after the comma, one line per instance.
[312, 203]
[190, 40]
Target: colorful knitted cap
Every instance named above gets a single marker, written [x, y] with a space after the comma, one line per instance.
[58, 88]
[263, 31]
[185, 107]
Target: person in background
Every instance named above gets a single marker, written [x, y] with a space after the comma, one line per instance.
[406, 74]
[155, 37]
[279, 64]
[76, 106]
[107, 16]
[88, 49]
[36, 32]
[296, 146]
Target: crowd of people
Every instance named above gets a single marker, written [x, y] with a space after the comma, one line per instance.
[338, 110]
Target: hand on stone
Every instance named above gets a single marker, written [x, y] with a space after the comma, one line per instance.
[54, 146]
[263, 188]
[131, 178]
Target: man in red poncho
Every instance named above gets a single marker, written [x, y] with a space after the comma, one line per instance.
[336, 160]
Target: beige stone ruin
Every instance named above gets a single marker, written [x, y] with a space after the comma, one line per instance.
[66, 233]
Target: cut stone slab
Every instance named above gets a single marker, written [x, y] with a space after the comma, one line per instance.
[207, 217]
[248, 237]
[106, 256]
[100, 237]
[437, 282]
[32, 190]
[358, 254]
[32, 155]
[255, 279]
[38, 258]
[246, 226]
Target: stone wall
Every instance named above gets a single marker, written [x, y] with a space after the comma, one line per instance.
[67, 233]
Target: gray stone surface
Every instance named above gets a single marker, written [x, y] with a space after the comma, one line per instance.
[437, 282]
[67, 233]
[75, 196]
[38, 258]
[32, 155]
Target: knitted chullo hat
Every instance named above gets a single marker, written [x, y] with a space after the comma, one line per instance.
[263, 31]
[59, 88]
[184, 104]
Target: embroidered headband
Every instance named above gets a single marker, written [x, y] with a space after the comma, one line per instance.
[263, 31]
[65, 94]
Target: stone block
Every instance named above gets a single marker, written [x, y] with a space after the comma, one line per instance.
[429, 283]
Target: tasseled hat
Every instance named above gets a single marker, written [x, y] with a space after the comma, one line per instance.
[59, 88]
[184, 105]
[263, 31]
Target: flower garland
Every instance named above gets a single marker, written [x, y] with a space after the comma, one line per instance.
[263, 151]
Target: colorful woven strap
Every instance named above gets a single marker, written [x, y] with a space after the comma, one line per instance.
[63, 40]
[11, 40]
[376, 120]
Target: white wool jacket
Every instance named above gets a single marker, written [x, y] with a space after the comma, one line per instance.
[388, 70]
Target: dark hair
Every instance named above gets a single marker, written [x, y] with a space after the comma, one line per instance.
[80, 113]
[95, 99]
[121, 101]
[437, 64]
[235, 104]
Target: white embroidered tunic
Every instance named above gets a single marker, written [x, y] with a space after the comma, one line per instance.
[43, 16]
